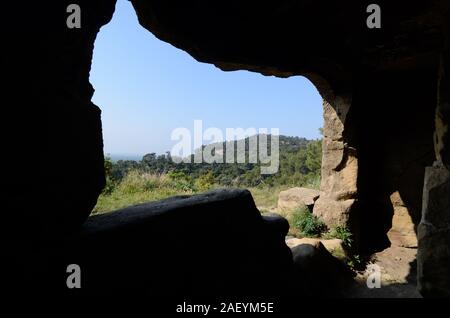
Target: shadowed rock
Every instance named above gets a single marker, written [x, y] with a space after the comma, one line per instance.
[215, 243]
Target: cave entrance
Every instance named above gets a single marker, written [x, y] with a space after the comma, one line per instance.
[155, 98]
[348, 197]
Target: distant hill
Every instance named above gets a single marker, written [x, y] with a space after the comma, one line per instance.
[300, 163]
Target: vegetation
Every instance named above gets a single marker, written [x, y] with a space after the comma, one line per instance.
[300, 162]
[342, 233]
[308, 224]
[355, 262]
[137, 188]
[157, 177]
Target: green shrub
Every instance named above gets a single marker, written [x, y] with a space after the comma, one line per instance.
[308, 224]
[180, 181]
[355, 262]
[111, 183]
[342, 233]
[205, 181]
[110, 186]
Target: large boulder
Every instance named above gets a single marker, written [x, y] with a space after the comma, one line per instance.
[333, 212]
[295, 197]
[216, 243]
[320, 274]
[334, 246]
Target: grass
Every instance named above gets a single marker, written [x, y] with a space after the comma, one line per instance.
[266, 198]
[138, 188]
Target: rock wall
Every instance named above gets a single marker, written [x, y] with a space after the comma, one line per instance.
[339, 165]
[434, 230]
[403, 230]
[394, 127]
[52, 131]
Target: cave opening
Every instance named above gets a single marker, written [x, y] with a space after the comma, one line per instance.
[155, 99]
[360, 189]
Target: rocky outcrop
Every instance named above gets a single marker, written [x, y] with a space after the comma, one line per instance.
[316, 272]
[296, 197]
[434, 230]
[403, 230]
[334, 246]
[54, 131]
[339, 167]
[216, 243]
[379, 88]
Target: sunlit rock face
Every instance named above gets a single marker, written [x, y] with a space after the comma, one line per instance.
[385, 106]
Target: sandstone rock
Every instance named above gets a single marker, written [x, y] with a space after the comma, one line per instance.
[433, 258]
[318, 271]
[339, 166]
[333, 212]
[163, 249]
[402, 232]
[295, 197]
[334, 246]
[47, 85]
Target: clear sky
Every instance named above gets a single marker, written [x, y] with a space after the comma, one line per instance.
[146, 88]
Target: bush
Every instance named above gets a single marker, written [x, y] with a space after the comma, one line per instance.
[181, 181]
[308, 224]
[111, 183]
[355, 262]
[135, 182]
[205, 181]
[110, 186]
[342, 233]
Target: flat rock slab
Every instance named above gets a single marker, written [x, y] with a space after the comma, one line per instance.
[295, 197]
[334, 246]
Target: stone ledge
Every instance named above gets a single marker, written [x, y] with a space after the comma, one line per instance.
[215, 243]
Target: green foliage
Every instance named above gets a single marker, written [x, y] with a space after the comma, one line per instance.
[307, 223]
[135, 182]
[110, 181]
[205, 181]
[138, 187]
[181, 181]
[158, 176]
[300, 161]
[342, 233]
[313, 159]
[355, 262]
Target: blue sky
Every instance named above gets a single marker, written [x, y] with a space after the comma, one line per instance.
[146, 88]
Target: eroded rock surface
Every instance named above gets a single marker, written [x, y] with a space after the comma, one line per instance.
[297, 197]
[403, 230]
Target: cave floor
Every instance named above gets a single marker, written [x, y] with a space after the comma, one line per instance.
[398, 275]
